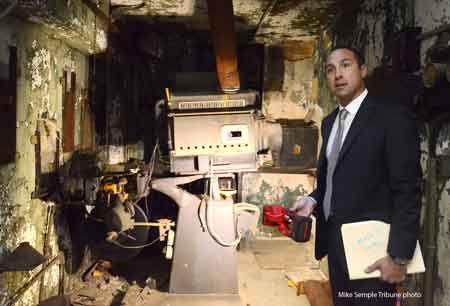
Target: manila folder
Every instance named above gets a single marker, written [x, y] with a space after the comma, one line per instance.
[366, 242]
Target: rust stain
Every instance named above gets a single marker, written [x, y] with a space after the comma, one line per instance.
[296, 149]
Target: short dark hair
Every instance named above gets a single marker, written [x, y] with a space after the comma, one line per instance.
[358, 55]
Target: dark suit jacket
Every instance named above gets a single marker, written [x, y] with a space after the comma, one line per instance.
[377, 176]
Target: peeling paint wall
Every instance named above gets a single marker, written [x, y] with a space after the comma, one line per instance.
[371, 31]
[41, 60]
[275, 189]
[366, 27]
[71, 21]
[431, 14]
[288, 86]
[285, 20]
[442, 281]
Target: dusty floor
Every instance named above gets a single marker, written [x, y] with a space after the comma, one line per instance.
[262, 267]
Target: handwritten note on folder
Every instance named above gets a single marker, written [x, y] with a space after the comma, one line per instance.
[365, 242]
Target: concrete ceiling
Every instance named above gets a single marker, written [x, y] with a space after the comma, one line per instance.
[284, 19]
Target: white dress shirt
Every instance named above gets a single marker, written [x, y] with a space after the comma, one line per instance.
[352, 109]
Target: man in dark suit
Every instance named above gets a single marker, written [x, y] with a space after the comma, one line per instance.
[368, 169]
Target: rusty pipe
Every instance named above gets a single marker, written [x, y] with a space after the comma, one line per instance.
[221, 23]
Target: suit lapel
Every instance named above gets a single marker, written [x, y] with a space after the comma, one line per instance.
[362, 116]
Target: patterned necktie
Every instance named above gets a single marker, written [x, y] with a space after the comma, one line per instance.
[332, 160]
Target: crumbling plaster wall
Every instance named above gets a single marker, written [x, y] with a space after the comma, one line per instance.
[431, 14]
[288, 86]
[370, 32]
[7, 184]
[368, 28]
[41, 60]
[71, 21]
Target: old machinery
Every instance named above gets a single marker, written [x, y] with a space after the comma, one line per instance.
[124, 222]
[223, 131]
[212, 137]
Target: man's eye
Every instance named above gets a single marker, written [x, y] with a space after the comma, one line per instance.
[346, 65]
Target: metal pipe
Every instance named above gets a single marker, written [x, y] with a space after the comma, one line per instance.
[46, 246]
[156, 224]
[16, 296]
[221, 20]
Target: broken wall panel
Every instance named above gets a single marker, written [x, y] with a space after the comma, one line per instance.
[41, 60]
[288, 86]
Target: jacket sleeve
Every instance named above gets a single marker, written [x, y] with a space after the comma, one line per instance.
[402, 155]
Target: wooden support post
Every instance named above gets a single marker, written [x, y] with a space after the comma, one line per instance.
[224, 40]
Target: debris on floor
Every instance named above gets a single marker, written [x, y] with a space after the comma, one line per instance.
[298, 277]
[139, 282]
[103, 289]
[59, 300]
[144, 281]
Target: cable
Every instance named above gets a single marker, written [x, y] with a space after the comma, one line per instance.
[136, 246]
[200, 216]
[214, 234]
[147, 189]
[209, 223]
[133, 247]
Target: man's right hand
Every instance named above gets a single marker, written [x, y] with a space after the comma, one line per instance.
[304, 206]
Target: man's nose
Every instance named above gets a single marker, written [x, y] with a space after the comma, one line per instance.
[338, 74]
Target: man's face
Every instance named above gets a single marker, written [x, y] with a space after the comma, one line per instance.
[344, 75]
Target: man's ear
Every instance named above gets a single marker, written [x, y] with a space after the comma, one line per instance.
[364, 71]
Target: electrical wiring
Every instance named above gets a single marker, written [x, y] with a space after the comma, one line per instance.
[215, 235]
[135, 246]
[200, 215]
[209, 223]
[147, 189]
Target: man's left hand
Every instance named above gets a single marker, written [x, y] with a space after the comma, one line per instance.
[390, 271]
